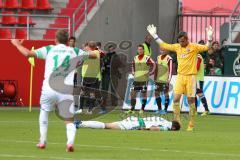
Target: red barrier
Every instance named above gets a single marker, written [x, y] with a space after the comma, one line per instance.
[14, 66]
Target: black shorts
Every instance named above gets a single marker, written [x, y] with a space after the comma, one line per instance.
[91, 83]
[140, 86]
[162, 87]
[200, 86]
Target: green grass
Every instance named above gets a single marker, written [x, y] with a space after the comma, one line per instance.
[215, 137]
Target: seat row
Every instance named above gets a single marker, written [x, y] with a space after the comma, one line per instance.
[7, 33]
[26, 4]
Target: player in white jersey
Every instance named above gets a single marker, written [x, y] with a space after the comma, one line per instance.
[133, 123]
[57, 59]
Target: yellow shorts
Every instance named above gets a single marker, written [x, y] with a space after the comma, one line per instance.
[186, 84]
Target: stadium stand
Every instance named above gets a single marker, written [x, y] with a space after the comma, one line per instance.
[11, 4]
[1, 4]
[22, 20]
[28, 4]
[44, 5]
[8, 19]
[21, 33]
[73, 7]
[5, 33]
[15, 13]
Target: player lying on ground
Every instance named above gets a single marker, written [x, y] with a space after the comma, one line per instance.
[186, 81]
[133, 123]
[55, 56]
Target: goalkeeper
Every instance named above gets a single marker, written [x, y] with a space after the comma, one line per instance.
[186, 74]
[133, 123]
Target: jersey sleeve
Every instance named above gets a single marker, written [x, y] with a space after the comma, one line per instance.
[84, 55]
[201, 48]
[42, 52]
[169, 47]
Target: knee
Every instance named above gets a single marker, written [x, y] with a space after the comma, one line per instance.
[157, 94]
[191, 100]
[176, 100]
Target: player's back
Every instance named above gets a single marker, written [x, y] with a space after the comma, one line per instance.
[57, 58]
[157, 122]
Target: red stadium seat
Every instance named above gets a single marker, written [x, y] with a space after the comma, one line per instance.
[21, 33]
[1, 4]
[5, 33]
[43, 5]
[11, 4]
[22, 20]
[28, 4]
[7, 19]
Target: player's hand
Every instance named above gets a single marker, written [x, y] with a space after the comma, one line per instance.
[209, 31]
[152, 30]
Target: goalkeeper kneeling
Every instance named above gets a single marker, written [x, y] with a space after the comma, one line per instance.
[133, 123]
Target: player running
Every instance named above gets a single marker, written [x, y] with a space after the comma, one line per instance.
[163, 75]
[187, 69]
[55, 56]
[133, 123]
[200, 82]
[142, 67]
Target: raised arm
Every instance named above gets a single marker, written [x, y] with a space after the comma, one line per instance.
[209, 32]
[153, 32]
[23, 50]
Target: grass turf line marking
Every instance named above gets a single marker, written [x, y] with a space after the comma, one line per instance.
[134, 149]
[31, 156]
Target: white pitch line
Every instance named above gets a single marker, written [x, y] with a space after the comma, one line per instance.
[31, 156]
[134, 149]
[21, 121]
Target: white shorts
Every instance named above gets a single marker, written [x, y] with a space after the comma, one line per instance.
[131, 123]
[50, 99]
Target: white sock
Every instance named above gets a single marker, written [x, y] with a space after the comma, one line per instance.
[43, 125]
[71, 132]
[93, 124]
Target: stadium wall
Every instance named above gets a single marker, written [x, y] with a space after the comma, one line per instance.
[127, 20]
[15, 66]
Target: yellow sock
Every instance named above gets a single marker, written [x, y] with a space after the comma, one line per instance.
[176, 111]
[192, 111]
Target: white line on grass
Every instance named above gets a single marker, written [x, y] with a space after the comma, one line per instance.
[31, 156]
[21, 121]
[134, 149]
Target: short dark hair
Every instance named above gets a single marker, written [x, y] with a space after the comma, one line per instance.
[92, 45]
[182, 34]
[201, 42]
[215, 42]
[99, 44]
[176, 125]
[62, 36]
[72, 38]
[140, 45]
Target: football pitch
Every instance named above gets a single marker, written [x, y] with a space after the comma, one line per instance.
[216, 137]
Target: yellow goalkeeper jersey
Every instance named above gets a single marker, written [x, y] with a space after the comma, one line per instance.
[186, 56]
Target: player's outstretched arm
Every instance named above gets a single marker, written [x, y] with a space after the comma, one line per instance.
[26, 52]
[209, 31]
[153, 32]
